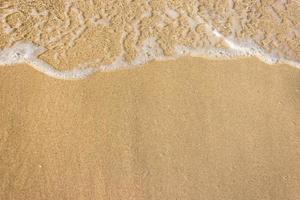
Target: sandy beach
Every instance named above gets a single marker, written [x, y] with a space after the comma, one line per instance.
[149, 100]
[186, 129]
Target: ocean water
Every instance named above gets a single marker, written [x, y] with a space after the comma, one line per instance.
[71, 39]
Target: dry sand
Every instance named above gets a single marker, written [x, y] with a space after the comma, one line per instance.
[185, 129]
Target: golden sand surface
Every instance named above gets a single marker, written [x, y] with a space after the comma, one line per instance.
[185, 129]
[190, 128]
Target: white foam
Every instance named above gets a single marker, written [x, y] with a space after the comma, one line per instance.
[100, 22]
[214, 53]
[248, 49]
[20, 52]
[27, 52]
[172, 13]
[251, 49]
[208, 46]
[150, 50]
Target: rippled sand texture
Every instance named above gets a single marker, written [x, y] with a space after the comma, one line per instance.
[96, 35]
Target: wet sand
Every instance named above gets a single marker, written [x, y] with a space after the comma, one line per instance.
[185, 129]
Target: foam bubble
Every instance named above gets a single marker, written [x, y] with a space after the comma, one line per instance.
[172, 13]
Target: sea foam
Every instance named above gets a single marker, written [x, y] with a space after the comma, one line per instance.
[156, 32]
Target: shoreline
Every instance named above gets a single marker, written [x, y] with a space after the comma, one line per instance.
[78, 74]
[169, 130]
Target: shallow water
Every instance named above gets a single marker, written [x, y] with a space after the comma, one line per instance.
[74, 38]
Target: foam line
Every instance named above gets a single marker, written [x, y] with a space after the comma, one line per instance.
[28, 53]
[251, 49]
